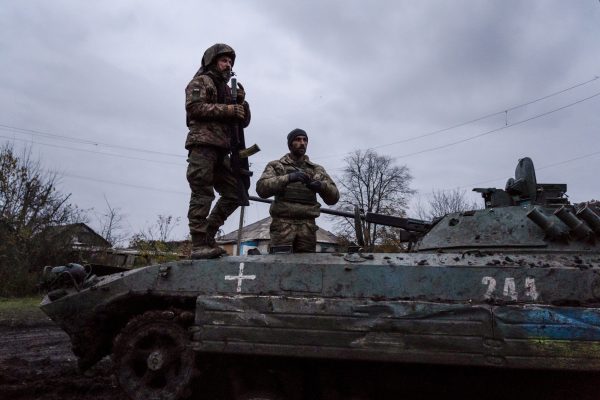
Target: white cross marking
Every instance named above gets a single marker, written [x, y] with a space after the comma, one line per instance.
[240, 277]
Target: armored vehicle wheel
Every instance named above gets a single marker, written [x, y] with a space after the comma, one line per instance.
[153, 358]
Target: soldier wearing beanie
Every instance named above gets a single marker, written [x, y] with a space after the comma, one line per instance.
[210, 114]
[295, 182]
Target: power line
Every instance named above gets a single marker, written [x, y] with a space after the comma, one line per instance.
[472, 120]
[77, 140]
[140, 150]
[155, 189]
[150, 188]
[490, 131]
[491, 115]
[401, 156]
[93, 152]
[498, 129]
[569, 160]
[84, 141]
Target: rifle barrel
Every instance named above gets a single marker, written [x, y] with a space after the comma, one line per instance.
[409, 224]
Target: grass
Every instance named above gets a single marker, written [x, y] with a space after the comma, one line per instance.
[21, 311]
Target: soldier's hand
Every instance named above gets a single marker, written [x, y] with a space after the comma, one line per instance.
[241, 94]
[236, 111]
[298, 176]
[315, 186]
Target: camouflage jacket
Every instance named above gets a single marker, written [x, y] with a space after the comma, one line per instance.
[207, 117]
[295, 200]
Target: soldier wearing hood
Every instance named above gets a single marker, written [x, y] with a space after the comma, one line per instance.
[210, 113]
[295, 182]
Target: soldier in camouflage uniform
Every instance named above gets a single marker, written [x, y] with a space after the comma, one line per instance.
[295, 181]
[210, 114]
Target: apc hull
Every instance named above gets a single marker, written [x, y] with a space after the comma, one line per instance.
[447, 308]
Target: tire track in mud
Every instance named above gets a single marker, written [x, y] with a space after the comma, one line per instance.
[36, 362]
[34, 344]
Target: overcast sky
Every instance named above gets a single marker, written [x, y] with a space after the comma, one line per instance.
[97, 90]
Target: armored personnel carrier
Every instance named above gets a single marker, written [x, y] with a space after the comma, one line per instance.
[513, 285]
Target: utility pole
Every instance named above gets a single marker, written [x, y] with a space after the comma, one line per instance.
[239, 235]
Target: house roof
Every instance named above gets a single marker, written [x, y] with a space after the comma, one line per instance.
[74, 229]
[259, 230]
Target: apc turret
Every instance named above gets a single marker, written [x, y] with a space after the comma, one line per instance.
[525, 217]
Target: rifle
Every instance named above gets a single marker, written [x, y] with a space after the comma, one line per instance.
[411, 229]
[240, 154]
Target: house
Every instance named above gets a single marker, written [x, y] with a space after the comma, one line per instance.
[257, 236]
[87, 246]
[79, 236]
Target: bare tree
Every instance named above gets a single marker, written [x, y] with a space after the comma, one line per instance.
[159, 231]
[444, 202]
[152, 241]
[29, 200]
[30, 204]
[111, 224]
[375, 184]
[165, 225]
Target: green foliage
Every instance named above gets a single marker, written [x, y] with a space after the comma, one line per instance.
[19, 304]
[151, 251]
[18, 281]
[30, 205]
[16, 311]
[153, 242]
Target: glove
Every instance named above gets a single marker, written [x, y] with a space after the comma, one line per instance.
[241, 94]
[315, 186]
[236, 111]
[298, 176]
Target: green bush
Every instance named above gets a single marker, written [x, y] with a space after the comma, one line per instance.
[30, 205]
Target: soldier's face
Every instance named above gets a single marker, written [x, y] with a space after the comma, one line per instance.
[299, 145]
[224, 63]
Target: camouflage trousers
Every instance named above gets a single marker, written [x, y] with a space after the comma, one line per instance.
[301, 234]
[209, 170]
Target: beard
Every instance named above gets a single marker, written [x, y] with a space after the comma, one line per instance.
[224, 75]
[298, 151]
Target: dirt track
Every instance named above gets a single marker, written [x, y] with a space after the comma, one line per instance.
[36, 363]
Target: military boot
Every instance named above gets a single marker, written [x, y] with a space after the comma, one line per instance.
[201, 249]
[210, 240]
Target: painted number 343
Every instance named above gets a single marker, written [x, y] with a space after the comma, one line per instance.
[510, 288]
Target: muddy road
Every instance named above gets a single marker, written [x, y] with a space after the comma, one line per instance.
[36, 363]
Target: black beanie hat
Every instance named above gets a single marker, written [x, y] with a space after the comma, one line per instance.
[296, 132]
